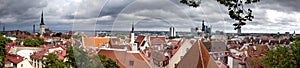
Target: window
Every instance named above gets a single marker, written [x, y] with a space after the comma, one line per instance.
[21, 65]
[131, 63]
[187, 49]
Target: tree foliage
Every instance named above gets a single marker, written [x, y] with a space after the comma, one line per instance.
[71, 59]
[84, 61]
[192, 3]
[79, 58]
[52, 61]
[108, 62]
[284, 56]
[34, 42]
[3, 42]
[236, 9]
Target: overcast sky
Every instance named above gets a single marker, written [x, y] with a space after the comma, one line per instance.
[271, 16]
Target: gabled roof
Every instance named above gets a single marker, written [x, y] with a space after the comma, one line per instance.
[13, 58]
[124, 58]
[140, 39]
[115, 41]
[197, 57]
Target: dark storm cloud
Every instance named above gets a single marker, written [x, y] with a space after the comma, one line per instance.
[281, 5]
[87, 14]
[20, 10]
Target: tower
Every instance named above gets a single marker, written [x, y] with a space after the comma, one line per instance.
[33, 28]
[172, 31]
[294, 34]
[133, 45]
[239, 31]
[203, 29]
[3, 28]
[132, 34]
[203, 26]
[42, 25]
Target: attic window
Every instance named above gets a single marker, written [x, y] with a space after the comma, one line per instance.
[131, 63]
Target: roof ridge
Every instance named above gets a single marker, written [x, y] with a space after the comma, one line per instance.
[145, 60]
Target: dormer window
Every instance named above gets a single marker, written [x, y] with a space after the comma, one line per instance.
[131, 63]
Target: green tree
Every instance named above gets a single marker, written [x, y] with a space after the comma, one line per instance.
[34, 42]
[83, 60]
[52, 61]
[236, 9]
[71, 59]
[3, 42]
[284, 56]
[108, 62]
[120, 36]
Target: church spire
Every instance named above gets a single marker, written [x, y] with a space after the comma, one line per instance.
[42, 18]
[132, 28]
[203, 26]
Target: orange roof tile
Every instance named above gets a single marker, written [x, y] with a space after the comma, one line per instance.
[157, 40]
[96, 41]
[197, 57]
[124, 58]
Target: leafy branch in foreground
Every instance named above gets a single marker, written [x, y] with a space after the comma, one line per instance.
[236, 9]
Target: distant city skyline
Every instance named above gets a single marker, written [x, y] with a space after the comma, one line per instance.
[270, 16]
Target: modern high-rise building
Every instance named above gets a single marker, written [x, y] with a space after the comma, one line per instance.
[172, 31]
[239, 31]
[3, 28]
[42, 24]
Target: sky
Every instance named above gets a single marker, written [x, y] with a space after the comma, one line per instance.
[271, 16]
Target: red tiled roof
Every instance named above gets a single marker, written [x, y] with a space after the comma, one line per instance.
[38, 55]
[96, 41]
[197, 57]
[157, 40]
[140, 40]
[115, 41]
[13, 58]
[60, 53]
[9, 46]
[123, 59]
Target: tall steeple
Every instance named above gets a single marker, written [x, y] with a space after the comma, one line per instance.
[42, 19]
[42, 24]
[132, 28]
[203, 26]
[132, 34]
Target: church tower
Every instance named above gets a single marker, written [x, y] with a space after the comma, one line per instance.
[132, 33]
[133, 45]
[203, 29]
[294, 34]
[42, 25]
